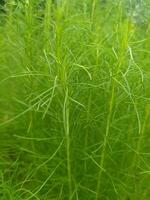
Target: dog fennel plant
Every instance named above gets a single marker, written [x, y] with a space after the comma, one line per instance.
[74, 114]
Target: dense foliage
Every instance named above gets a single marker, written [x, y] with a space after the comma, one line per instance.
[75, 100]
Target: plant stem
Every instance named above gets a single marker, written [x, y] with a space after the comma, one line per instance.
[67, 135]
[111, 103]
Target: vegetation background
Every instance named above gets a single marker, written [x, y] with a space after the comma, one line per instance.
[75, 100]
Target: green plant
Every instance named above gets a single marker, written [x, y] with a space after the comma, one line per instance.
[74, 114]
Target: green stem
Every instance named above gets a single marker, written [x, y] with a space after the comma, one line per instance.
[67, 135]
[87, 128]
[47, 20]
[93, 10]
[111, 103]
